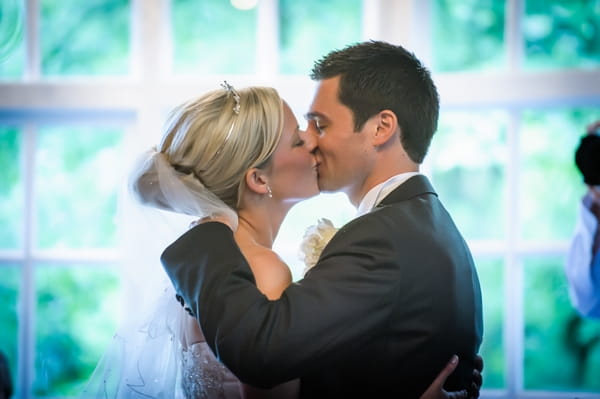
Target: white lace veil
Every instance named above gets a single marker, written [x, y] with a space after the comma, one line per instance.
[155, 182]
[143, 360]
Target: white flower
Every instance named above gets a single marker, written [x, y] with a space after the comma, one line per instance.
[314, 240]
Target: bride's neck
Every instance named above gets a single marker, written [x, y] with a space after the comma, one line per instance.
[259, 225]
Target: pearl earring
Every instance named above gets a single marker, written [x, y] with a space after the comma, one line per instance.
[269, 192]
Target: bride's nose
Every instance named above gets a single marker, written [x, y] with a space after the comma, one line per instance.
[310, 140]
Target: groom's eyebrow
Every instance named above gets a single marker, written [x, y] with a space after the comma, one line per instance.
[315, 116]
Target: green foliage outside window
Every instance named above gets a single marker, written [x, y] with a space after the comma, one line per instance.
[77, 175]
[77, 309]
[11, 188]
[562, 350]
[305, 29]
[212, 36]
[467, 35]
[562, 34]
[12, 45]
[468, 159]
[84, 37]
[491, 278]
[550, 184]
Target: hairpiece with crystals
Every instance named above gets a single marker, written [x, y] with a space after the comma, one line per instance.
[236, 96]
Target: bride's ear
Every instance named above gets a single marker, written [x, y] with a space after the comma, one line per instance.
[257, 181]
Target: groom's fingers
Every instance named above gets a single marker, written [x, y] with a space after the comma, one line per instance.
[457, 395]
[477, 378]
[478, 362]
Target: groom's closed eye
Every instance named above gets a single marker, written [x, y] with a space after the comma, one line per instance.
[320, 121]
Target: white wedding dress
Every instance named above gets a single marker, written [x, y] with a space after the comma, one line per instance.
[147, 358]
[205, 377]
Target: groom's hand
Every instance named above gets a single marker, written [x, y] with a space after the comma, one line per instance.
[477, 378]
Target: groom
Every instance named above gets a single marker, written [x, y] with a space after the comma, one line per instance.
[395, 292]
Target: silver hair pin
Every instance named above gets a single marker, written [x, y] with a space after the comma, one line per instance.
[234, 94]
[236, 109]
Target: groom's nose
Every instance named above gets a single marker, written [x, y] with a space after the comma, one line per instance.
[310, 140]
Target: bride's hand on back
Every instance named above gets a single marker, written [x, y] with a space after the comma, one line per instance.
[436, 389]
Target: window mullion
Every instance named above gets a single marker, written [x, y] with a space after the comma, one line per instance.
[394, 22]
[513, 34]
[513, 276]
[267, 39]
[32, 40]
[151, 39]
[27, 295]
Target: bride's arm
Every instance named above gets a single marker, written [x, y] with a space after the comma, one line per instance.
[272, 277]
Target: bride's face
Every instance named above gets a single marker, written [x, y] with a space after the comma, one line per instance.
[293, 169]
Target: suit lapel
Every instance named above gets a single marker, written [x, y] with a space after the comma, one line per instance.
[413, 187]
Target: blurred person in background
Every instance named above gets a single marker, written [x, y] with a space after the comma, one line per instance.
[583, 259]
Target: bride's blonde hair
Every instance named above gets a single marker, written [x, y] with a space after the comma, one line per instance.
[207, 147]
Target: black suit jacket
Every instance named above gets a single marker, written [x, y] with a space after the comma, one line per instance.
[394, 295]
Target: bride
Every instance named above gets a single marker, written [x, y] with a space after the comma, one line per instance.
[228, 152]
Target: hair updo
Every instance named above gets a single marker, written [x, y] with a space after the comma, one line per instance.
[200, 163]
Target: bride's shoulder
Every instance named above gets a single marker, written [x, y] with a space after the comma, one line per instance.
[271, 273]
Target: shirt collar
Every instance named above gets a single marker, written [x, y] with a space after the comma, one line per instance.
[375, 195]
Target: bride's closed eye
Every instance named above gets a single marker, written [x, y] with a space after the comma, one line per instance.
[297, 140]
[298, 143]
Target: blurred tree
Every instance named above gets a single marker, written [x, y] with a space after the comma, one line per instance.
[549, 182]
[11, 38]
[306, 35]
[468, 35]
[76, 169]
[11, 196]
[553, 330]
[562, 33]
[212, 36]
[76, 309]
[84, 38]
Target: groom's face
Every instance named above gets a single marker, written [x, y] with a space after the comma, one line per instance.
[343, 155]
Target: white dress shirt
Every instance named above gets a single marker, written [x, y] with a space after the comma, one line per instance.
[380, 191]
[582, 267]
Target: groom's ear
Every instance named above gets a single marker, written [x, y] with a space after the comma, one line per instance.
[386, 127]
[256, 181]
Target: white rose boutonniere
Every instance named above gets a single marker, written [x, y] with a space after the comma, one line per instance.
[314, 240]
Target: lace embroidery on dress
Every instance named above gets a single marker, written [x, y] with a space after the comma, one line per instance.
[204, 377]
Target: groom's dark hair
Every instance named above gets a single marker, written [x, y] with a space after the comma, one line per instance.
[375, 76]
